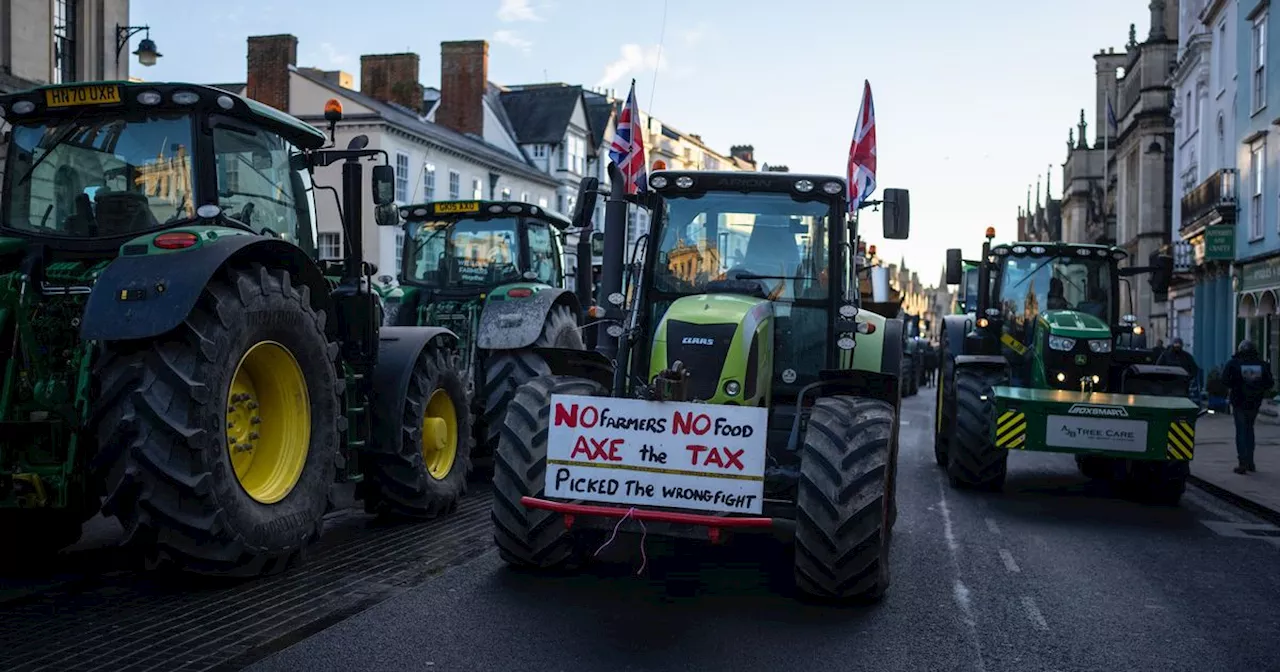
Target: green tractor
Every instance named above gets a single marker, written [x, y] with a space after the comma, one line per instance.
[739, 387]
[491, 272]
[1046, 362]
[173, 355]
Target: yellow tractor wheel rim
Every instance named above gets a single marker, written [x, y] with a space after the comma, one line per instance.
[268, 422]
[439, 434]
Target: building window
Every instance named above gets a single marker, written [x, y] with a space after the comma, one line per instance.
[524, 197]
[428, 182]
[1256, 165]
[64, 41]
[542, 203]
[1259, 62]
[539, 151]
[562, 155]
[331, 246]
[506, 194]
[399, 251]
[455, 185]
[476, 191]
[402, 177]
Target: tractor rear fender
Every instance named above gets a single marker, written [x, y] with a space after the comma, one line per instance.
[398, 351]
[954, 329]
[858, 383]
[145, 296]
[587, 364]
[514, 323]
[891, 351]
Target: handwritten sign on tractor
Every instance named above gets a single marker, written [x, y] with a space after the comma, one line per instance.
[662, 454]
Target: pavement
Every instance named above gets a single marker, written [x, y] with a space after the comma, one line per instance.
[1216, 457]
[1055, 573]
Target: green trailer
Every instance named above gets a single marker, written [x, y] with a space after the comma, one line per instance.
[1046, 362]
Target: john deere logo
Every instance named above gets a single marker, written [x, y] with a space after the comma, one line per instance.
[1099, 411]
[1081, 360]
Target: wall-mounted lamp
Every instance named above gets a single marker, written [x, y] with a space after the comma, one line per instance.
[146, 51]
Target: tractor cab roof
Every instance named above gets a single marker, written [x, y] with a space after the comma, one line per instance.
[1058, 249]
[66, 101]
[680, 182]
[480, 209]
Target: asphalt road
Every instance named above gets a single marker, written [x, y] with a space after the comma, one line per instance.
[1056, 573]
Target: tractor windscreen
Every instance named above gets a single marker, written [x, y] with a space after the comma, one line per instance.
[97, 177]
[970, 289]
[478, 252]
[1033, 284]
[768, 238]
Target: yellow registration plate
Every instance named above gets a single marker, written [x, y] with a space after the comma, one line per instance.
[469, 206]
[96, 94]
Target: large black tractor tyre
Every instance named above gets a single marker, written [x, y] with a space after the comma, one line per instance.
[218, 441]
[843, 508]
[428, 474]
[944, 412]
[974, 461]
[506, 370]
[531, 538]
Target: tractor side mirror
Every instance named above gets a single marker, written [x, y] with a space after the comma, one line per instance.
[385, 212]
[588, 194]
[897, 213]
[955, 269]
[1161, 273]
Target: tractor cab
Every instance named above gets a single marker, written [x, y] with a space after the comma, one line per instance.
[748, 277]
[91, 166]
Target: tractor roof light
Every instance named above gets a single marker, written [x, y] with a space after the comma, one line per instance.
[617, 298]
[804, 186]
[1128, 319]
[1019, 249]
[185, 98]
[511, 208]
[845, 343]
[658, 182]
[333, 110]
[1001, 251]
[871, 250]
[1082, 251]
[848, 310]
[659, 164]
[149, 98]
[495, 208]
[833, 188]
[1038, 249]
[225, 102]
[24, 107]
[991, 232]
[684, 181]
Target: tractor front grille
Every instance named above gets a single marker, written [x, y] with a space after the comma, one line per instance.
[703, 349]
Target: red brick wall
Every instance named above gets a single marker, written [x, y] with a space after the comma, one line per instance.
[464, 75]
[392, 78]
[269, 59]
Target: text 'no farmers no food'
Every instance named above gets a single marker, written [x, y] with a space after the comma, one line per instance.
[663, 454]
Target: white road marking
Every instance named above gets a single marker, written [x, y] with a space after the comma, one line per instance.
[1033, 612]
[991, 525]
[947, 532]
[1009, 564]
[1211, 504]
[959, 590]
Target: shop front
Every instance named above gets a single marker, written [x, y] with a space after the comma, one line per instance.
[1257, 285]
[1213, 250]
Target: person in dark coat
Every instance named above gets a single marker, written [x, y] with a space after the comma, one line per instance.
[1175, 355]
[930, 363]
[1249, 379]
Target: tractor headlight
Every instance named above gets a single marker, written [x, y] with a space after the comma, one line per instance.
[1061, 343]
[1100, 346]
[658, 182]
[732, 388]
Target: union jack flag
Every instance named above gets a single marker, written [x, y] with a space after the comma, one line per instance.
[627, 150]
[862, 153]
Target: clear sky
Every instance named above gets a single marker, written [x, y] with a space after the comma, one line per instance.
[973, 99]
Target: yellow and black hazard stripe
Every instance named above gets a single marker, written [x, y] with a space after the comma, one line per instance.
[1181, 445]
[1011, 430]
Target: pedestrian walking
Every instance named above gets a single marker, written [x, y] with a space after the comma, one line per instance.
[930, 363]
[1249, 379]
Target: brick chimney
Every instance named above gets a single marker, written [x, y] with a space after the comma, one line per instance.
[464, 76]
[392, 78]
[268, 78]
[745, 152]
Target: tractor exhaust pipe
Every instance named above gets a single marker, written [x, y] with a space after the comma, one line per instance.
[615, 247]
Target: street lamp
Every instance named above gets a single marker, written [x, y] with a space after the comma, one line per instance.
[146, 51]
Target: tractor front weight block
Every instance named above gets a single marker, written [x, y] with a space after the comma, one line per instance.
[1128, 426]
